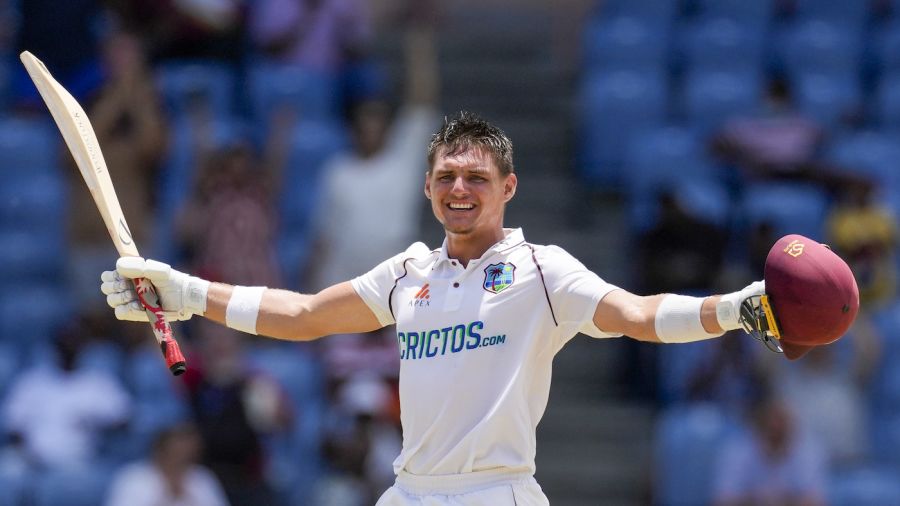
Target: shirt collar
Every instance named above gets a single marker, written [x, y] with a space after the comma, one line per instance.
[513, 237]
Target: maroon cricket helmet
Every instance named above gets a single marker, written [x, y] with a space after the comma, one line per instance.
[812, 293]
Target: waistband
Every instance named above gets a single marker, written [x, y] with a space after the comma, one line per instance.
[452, 484]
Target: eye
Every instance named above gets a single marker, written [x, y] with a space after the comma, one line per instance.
[477, 179]
[446, 178]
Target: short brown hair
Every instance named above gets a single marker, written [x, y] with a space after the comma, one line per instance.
[466, 130]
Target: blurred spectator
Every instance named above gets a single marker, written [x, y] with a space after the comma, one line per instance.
[229, 225]
[187, 29]
[323, 35]
[362, 443]
[170, 477]
[773, 463]
[864, 234]
[234, 410]
[777, 142]
[55, 414]
[828, 397]
[728, 376]
[682, 252]
[373, 188]
[127, 119]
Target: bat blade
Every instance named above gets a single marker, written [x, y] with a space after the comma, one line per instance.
[81, 140]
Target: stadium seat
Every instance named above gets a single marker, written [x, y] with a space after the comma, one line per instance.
[852, 15]
[756, 14]
[313, 144]
[676, 366]
[822, 46]
[624, 43]
[28, 146]
[709, 98]
[791, 208]
[35, 202]
[188, 84]
[828, 98]
[723, 43]
[74, 487]
[308, 93]
[686, 448]
[864, 487]
[24, 321]
[12, 490]
[104, 357]
[613, 108]
[886, 103]
[29, 256]
[868, 153]
[660, 13]
[887, 48]
[657, 160]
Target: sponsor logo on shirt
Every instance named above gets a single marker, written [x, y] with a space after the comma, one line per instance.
[439, 342]
[499, 277]
[422, 297]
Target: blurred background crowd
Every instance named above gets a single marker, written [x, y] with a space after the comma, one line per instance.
[665, 143]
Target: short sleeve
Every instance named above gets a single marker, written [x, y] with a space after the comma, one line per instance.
[375, 286]
[574, 291]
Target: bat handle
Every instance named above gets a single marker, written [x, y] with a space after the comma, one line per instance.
[161, 329]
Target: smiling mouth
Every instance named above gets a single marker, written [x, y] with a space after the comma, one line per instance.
[459, 206]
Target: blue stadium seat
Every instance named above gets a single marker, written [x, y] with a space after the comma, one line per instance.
[676, 366]
[709, 98]
[864, 487]
[723, 44]
[869, 153]
[75, 487]
[188, 84]
[27, 255]
[309, 93]
[28, 145]
[624, 43]
[852, 15]
[791, 208]
[886, 103]
[313, 143]
[614, 107]
[24, 321]
[828, 98]
[35, 202]
[756, 14]
[12, 490]
[657, 160]
[686, 448]
[887, 47]
[821, 46]
[104, 357]
[659, 12]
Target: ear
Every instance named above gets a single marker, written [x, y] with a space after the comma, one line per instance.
[427, 186]
[509, 187]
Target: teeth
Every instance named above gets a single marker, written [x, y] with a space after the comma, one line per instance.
[461, 206]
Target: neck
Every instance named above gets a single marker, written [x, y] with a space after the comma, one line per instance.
[468, 246]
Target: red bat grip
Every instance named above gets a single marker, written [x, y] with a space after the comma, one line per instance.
[161, 329]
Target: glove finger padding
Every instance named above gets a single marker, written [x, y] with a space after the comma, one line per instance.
[117, 299]
[114, 283]
[131, 267]
[131, 312]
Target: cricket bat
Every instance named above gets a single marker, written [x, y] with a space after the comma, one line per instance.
[79, 135]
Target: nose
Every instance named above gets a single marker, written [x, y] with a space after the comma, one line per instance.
[459, 186]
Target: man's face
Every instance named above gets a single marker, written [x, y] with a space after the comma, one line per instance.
[467, 191]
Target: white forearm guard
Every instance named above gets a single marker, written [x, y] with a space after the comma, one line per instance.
[678, 320]
[243, 308]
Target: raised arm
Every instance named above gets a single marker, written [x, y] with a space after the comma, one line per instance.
[669, 318]
[281, 314]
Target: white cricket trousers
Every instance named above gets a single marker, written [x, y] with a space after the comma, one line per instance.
[495, 487]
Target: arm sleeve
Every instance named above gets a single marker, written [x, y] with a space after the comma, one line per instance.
[375, 286]
[573, 290]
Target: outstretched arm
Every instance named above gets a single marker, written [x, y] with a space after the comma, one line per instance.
[281, 314]
[284, 314]
[669, 318]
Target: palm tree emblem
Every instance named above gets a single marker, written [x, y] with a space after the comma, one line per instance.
[498, 277]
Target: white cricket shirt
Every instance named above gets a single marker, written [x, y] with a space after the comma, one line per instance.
[476, 347]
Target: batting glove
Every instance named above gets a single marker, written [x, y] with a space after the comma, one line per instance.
[180, 295]
[728, 309]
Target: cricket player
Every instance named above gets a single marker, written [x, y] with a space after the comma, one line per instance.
[478, 322]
